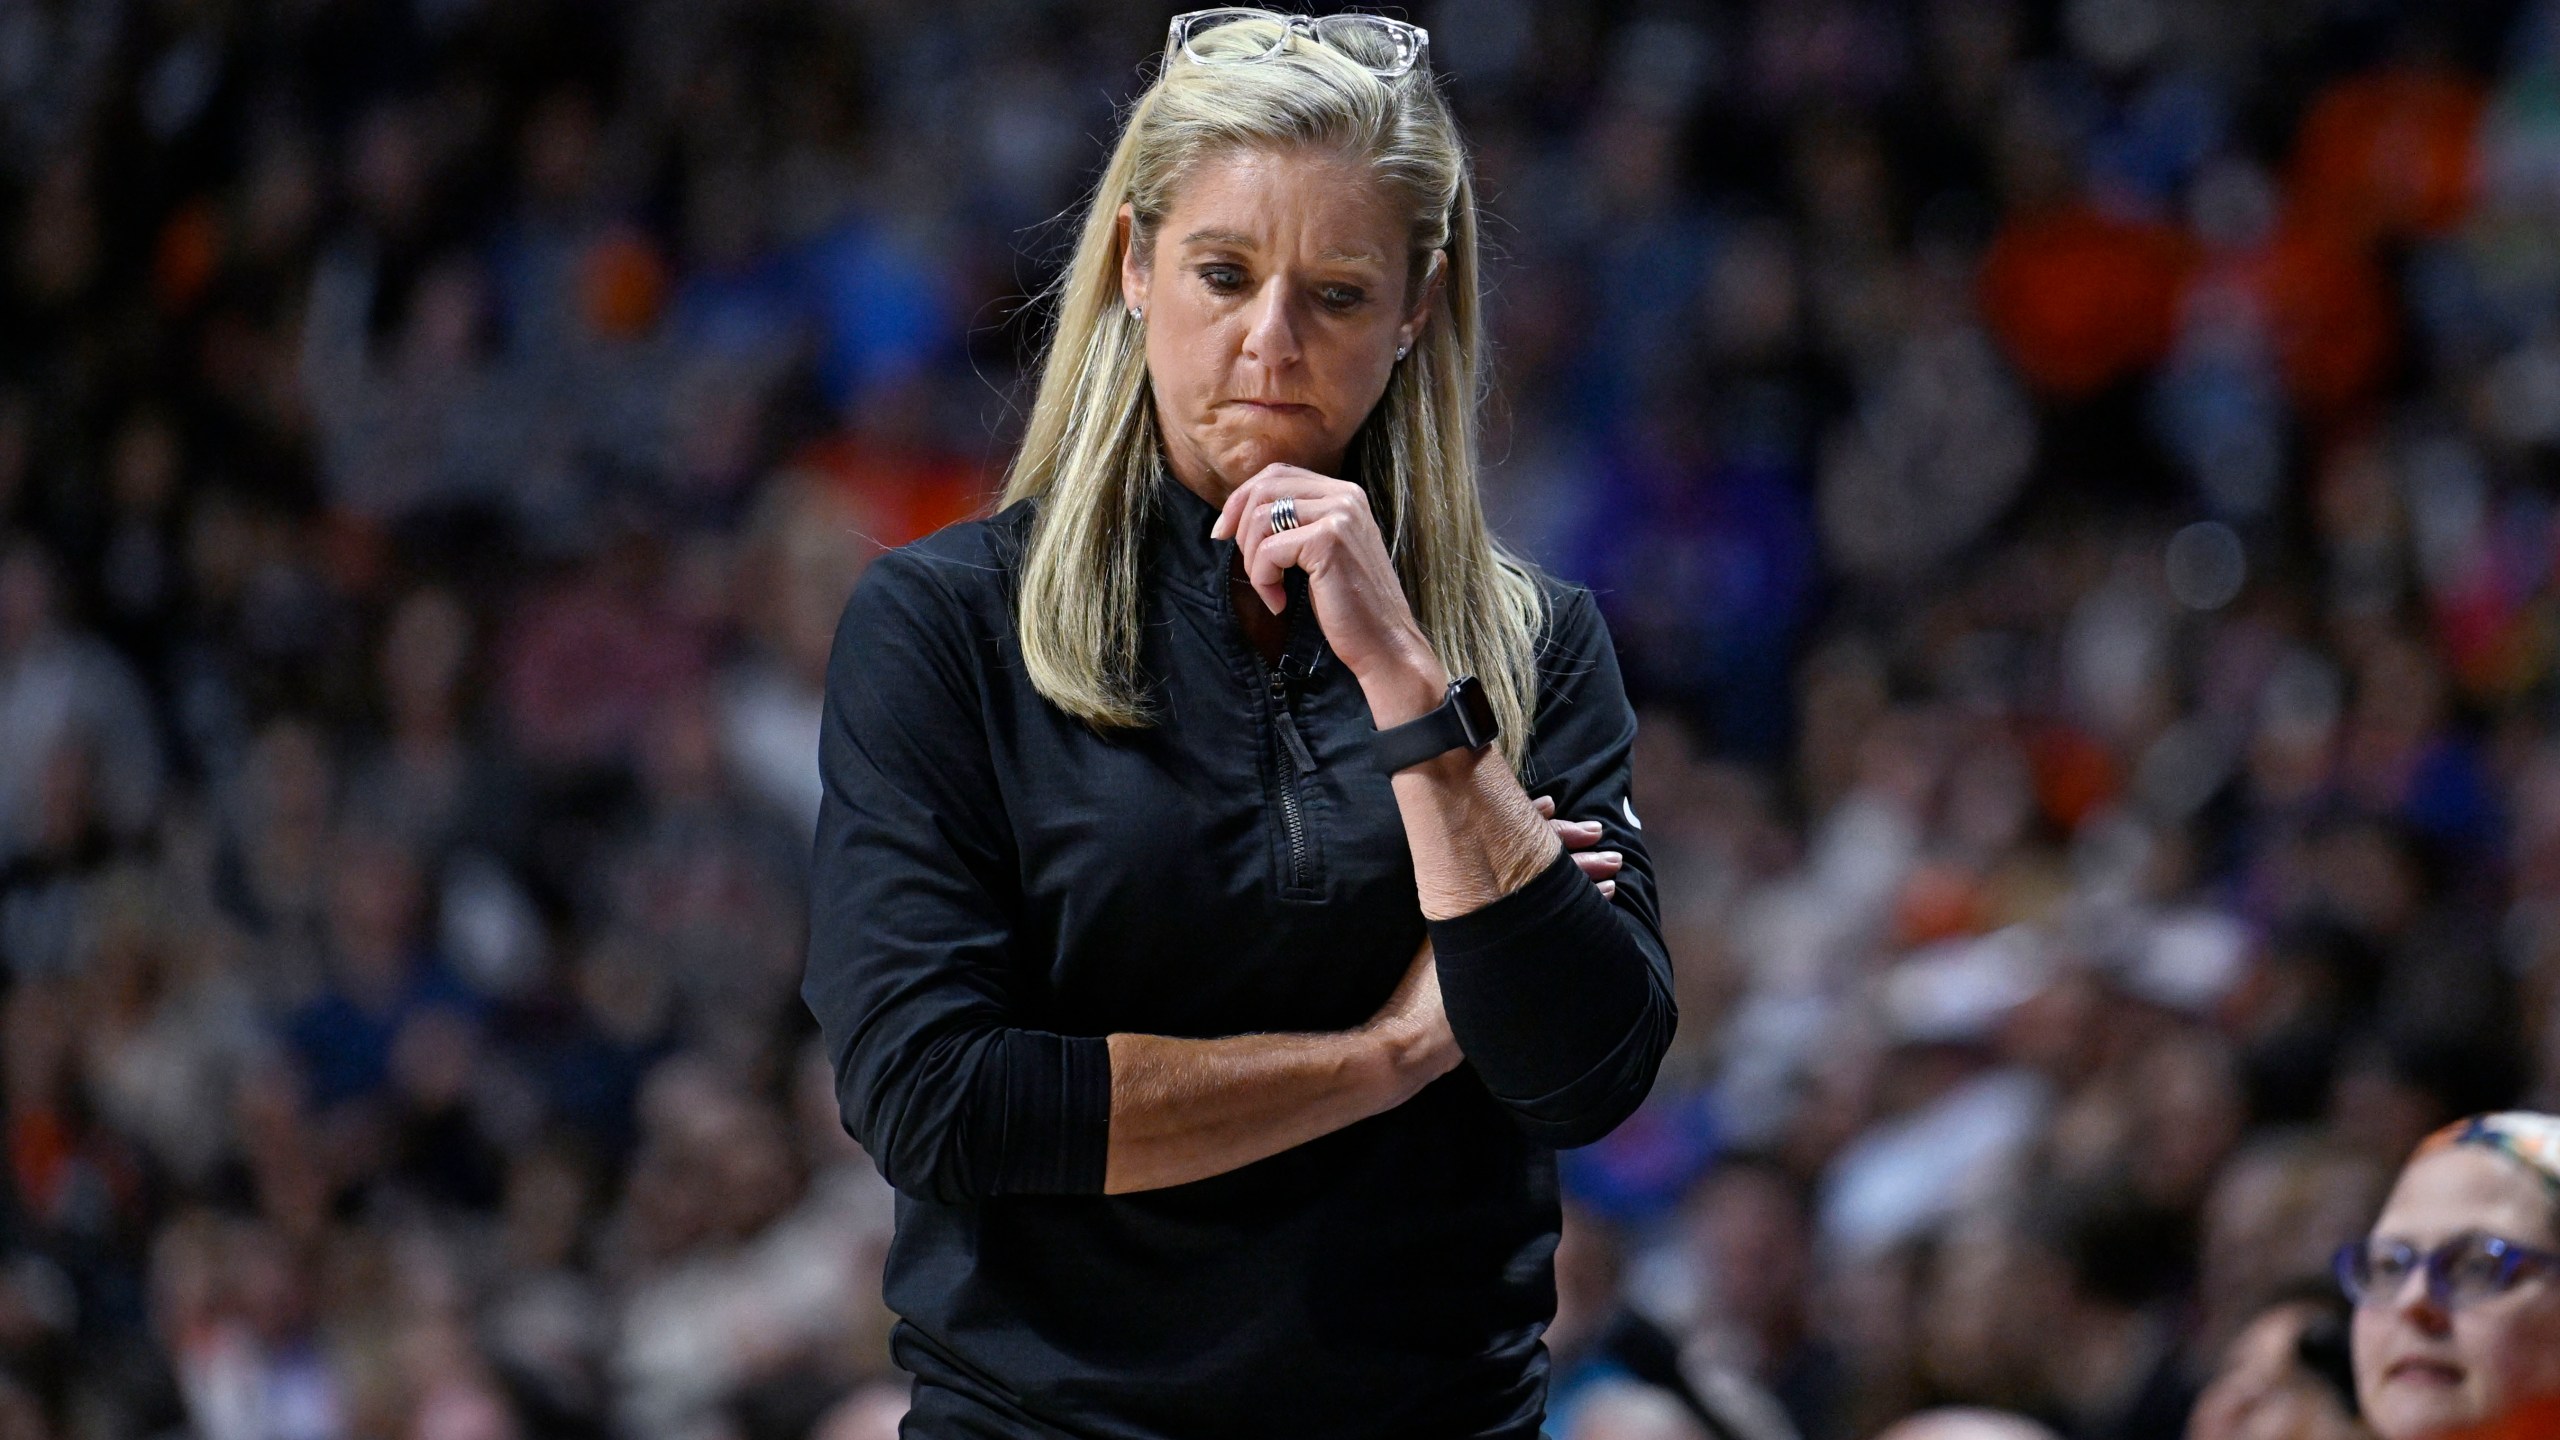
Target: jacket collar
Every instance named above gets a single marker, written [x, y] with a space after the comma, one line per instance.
[1186, 561]
[1178, 523]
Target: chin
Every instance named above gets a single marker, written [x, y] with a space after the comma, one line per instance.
[2400, 1413]
[1268, 439]
[1242, 462]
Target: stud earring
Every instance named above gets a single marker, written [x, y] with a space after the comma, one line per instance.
[1137, 313]
[1401, 349]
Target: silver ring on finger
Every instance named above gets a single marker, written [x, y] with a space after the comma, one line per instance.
[1284, 514]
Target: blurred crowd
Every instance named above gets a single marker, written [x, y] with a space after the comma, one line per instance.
[2072, 486]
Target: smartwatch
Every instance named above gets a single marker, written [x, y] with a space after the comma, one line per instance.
[1465, 718]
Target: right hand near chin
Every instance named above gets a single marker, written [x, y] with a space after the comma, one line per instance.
[1414, 1029]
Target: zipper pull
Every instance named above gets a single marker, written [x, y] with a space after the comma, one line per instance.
[1295, 743]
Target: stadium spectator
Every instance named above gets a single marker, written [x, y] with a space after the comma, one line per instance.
[2286, 1376]
[2457, 1290]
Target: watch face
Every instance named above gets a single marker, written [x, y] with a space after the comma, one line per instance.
[1475, 711]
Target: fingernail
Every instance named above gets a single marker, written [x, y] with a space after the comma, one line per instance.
[1609, 888]
[1613, 857]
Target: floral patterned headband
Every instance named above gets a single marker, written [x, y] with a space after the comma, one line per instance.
[2529, 1138]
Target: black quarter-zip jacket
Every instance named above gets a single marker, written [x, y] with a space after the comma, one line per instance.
[997, 887]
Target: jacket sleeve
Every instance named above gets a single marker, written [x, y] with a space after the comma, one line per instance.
[1560, 997]
[911, 906]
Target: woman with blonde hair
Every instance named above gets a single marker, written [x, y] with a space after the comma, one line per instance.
[2457, 1289]
[1227, 892]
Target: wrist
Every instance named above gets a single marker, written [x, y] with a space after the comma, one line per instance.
[1404, 1056]
[1408, 685]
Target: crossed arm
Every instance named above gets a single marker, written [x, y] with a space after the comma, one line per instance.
[1184, 1109]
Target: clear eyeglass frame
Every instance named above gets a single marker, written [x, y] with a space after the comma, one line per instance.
[2459, 1272]
[1406, 46]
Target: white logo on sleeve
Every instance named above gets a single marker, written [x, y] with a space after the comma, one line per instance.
[1627, 807]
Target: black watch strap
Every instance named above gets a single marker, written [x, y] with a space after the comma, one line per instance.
[1465, 719]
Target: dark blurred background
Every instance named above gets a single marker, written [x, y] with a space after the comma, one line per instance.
[2073, 487]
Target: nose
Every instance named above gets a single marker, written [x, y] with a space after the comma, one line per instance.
[1271, 327]
[2417, 1303]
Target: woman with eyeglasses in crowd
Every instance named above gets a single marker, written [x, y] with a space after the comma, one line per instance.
[1227, 894]
[2456, 1333]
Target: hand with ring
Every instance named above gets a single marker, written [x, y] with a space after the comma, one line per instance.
[1286, 516]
